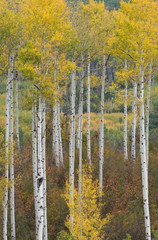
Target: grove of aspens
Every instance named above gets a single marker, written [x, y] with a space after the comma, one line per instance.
[78, 120]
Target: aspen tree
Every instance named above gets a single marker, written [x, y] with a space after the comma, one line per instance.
[134, 121]
[143, 156]
[7, 142]
[9, 33]
[40, 212]
[79, 116]
[91, 221]
[147, 116]
[17, 111]
[72, 142]
[101, 148]
[56, 133]
[81, 126]
[88, 112]
[34, 159]
[137, 32]
[125, 119]
[142, 15]
[45, 231]
[59, 137]
[12, 207]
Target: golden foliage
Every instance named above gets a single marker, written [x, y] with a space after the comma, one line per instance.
[86, 209]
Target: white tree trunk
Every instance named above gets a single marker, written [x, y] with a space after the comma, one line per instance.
[17, 114]
[72, 143]
[143, 158]
[80, 145]
[81, 125]
[59, 136]
[40, 176]
[12, 209]
[34, 160]
[134, 122]
[125, 119]
[101, 136]
[88, 112]
[147, 116]
[55, 134]
[45, 231]
[79, 116]
[5, 203]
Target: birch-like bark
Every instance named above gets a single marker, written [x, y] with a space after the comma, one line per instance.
[59, 136]
[34, 160]
[45, 231]
[17, 114]
[134, 122]
[125, 119]
[5, 203]
[147, 117]
[80, 146]
[40, 176]
[88, 112]
[81, 125]
[72, 144]
[143, 158]
[55, 134]
[101, 140]
[79, 116]
[12, 209]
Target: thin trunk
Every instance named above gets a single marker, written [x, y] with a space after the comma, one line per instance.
[55, 134]
[12, 210]
[45, 231]
[147, 117]
[72, 144]
[143, 158]
[134, 122]
[34, 160]
[40, 175]
[5, 203]
[17, 114]
[79, 116]
[125, 118]
[81, 126]
[80, 143]
[88, 113]
[59, 136]
[101, 140]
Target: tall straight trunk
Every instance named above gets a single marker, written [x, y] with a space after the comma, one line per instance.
[12, 209]
[17, 114]
[45, 231]
[101, 140]
[59, 136]
[134, 122]
[147, 117]
[79, 115]
[34, 160]
[80, 145]
[143, 158]
[72, 144]
[55, 134]
[81, 125]
[40, 175]
[125, 119]
[5, 203]
[88, 112]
